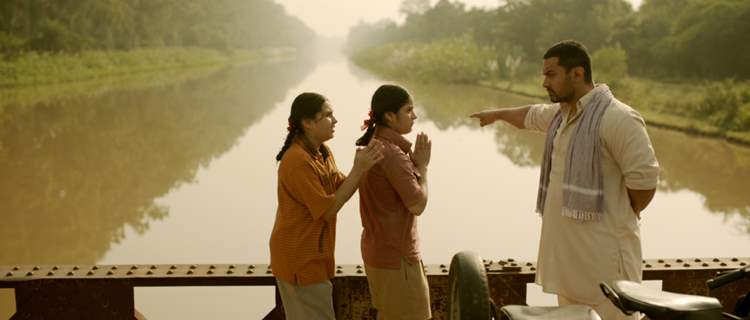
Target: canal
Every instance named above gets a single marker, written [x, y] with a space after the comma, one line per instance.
[184, 172]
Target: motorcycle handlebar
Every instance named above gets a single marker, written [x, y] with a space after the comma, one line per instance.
[728, 277]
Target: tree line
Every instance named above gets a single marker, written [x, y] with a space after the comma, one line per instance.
[77, 25]
[664, 39]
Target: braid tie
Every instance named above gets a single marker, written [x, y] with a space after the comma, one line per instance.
[369, 121]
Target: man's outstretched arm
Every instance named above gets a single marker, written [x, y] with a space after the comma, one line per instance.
[514, 116]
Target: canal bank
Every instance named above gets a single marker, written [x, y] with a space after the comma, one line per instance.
[661, 109]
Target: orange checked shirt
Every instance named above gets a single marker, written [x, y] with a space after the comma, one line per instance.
[302, 242]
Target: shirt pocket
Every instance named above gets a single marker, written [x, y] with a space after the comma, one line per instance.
[327, 177]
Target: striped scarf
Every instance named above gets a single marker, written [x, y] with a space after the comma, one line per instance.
[583, 182]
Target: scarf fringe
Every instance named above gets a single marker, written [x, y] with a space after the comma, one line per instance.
[583, 215]
[583, 194]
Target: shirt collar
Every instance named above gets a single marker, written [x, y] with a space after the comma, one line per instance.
[302, 143]
[388, 134]
[586, 99]
[583, 102]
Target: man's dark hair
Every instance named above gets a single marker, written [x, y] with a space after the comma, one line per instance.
[571, 54]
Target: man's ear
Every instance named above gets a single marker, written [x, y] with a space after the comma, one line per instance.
[579, 73]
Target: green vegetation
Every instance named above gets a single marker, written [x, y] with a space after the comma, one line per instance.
[44, 42]
[457, 60]
[680, 62]
[712, 108]
[67, 91]
[41, 68]
[70, 26]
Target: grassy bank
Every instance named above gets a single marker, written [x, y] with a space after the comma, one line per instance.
[714, 109]
[36, 69]
[31, 95]
[96, 81]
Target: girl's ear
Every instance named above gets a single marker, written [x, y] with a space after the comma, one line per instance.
[306, 123]
[388, 118]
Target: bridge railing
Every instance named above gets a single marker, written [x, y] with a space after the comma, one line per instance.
[107, 291]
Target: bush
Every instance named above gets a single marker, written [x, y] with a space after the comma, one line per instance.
[53, 36]
[726, 105]
[742, 121]
[609, 65]
[456, 60]
[10, 45]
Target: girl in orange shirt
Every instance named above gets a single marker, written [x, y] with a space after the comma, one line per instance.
[311, 190]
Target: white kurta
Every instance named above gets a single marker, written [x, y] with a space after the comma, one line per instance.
[574, 256]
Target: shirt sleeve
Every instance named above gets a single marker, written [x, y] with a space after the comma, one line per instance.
[540, 116]
[339, 179]
[337, 176]
[628, 142]
[403, 176]
[304, 185]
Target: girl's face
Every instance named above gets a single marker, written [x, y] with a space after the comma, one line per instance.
[322, 126]
[403, 120]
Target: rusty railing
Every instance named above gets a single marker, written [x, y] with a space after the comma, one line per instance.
[106, 291]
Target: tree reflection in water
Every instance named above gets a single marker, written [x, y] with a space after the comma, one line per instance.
[77, 170]
[717, 170]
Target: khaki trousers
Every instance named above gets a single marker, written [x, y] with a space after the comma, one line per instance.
[400, 293]
[310, 302]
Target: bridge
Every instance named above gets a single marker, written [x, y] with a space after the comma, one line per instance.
[107, 291]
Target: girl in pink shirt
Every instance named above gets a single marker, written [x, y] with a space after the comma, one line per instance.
[392, 194]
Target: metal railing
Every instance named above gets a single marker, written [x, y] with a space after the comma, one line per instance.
[106, 291]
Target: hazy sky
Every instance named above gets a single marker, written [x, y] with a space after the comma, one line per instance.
[334, 17]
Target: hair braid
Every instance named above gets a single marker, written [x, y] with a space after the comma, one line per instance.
[287, 142]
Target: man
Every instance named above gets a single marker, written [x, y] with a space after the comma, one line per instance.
[598, 173]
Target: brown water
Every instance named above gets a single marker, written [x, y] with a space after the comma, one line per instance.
[184, 173]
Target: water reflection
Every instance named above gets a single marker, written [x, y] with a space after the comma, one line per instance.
[75, 172]
[449, 106]
[717, 170]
